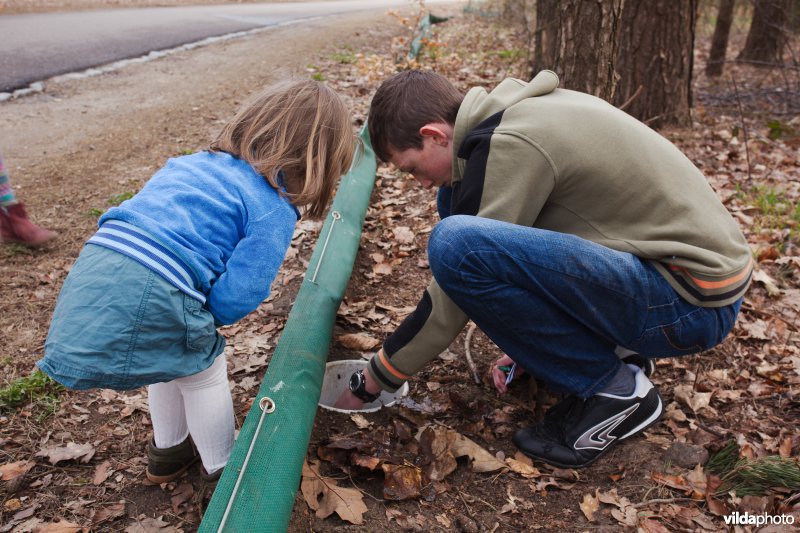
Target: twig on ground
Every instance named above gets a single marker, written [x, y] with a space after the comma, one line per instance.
[468, 354]
[708, 429]
[661, 500]
[744, 129]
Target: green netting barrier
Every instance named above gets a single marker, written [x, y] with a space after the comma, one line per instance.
[423, 32]
[257, 489]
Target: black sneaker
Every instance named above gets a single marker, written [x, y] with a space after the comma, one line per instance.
[576, 431]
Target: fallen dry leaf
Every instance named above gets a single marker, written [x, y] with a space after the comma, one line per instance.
[482, 461]
[15, 469]
[14, 504]
[693, 399]
[146, 524]
[590, 505]
[365, 461]
[360, 421]
[108, 513]
[56, 454]
[785, 447]
[523, 469]
[403, 234]
[436, 449]
[401, 482]
[183, 493]
[407, 522]
[62, 526]
[323, 495]
[545, 483]
[358, 341]
[648, 525]
[102, 472]
[383, 269]
[762, 277]
[694, 484]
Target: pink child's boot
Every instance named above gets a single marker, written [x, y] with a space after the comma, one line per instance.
[15, 226]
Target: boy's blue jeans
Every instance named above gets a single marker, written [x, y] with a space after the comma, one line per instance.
[559, 305]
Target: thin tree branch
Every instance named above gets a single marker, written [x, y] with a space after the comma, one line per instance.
[468, 354]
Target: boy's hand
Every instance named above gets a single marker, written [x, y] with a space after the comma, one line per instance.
[350, 402]
[500, 376]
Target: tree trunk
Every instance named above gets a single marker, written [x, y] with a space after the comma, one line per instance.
[719, 42]
[655, 60]
[767, 35]
[636, 54]
[578, 40]
[544, 37]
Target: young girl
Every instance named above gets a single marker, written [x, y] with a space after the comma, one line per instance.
[197, 248]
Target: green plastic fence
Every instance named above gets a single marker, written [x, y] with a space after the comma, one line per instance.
[423, 32]
[263, 474]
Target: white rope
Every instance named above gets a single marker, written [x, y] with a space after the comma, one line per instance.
[267, 406]
[336, 216]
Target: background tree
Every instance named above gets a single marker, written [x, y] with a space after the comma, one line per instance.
[655, 60]
[637, 54]
[768, 31]
[579, 41]
[719, 41]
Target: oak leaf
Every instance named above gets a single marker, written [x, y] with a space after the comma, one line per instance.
[482, 461]
[323, 495]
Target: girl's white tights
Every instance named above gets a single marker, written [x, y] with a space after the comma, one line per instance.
[200, 404]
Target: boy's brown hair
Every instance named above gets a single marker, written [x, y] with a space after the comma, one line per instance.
[301, 127]
[404, 103]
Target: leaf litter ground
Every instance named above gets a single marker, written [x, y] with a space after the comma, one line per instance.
[442, 459]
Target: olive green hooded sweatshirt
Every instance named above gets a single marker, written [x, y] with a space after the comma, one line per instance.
[565, 161]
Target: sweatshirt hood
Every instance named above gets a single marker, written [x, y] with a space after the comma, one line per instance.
[478, 104]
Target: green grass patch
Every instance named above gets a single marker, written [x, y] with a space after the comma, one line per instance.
[344, 58]
[775, 209]
[117, 199]
[37, 389]
[511, 55]
[113, 200]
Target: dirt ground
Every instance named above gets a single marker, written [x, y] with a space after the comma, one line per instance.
[83, 145]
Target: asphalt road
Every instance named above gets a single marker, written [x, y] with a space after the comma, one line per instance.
[34, 47]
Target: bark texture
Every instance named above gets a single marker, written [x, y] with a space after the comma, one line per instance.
[655, 60]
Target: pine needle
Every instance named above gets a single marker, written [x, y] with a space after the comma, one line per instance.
[753, 477]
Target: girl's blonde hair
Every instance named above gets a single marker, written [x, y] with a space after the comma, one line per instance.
[300, 127]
